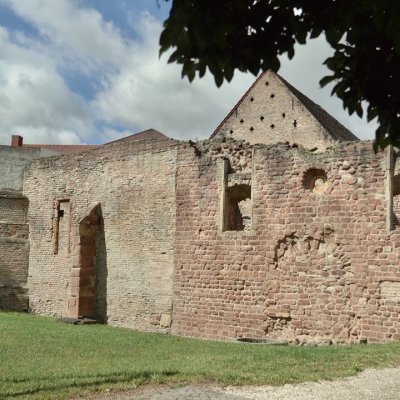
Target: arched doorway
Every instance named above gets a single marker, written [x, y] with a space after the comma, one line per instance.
[82, 302]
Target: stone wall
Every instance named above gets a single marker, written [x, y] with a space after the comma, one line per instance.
[132, 187]
[13, 160]
[14, 251]
[316, 263]
[396, 192]
[270, 113]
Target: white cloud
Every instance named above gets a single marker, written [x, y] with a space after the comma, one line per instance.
[147, 92]
[135, 90]
[304, 72]
[34, 100]
[72, 32]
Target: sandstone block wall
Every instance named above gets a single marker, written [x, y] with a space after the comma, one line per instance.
[317, 263]
[134, 183]
[396, 192]
[14, 251]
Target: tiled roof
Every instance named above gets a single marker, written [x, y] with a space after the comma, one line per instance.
[144, 135]
[64, 148]
[148, 134]
[331, 124]
[333, 127]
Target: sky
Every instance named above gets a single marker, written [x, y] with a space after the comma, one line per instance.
[88, 71]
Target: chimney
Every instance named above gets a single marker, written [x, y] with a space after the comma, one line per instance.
[16, 141]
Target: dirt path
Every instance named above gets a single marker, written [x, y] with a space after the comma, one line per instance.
[371, 384]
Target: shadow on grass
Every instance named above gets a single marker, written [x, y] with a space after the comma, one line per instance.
[85, 382]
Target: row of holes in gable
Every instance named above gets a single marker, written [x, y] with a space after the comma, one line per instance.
[272, 126]
[272, 95]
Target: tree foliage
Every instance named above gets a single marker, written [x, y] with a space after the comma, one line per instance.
[249, 35]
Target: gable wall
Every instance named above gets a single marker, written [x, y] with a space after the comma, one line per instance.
[135, 185]
[317, 266]
[275, 115]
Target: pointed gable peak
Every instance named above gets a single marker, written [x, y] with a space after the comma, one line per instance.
[273, 111]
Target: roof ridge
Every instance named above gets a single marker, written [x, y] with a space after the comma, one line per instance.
[336, 129]
[150, 130]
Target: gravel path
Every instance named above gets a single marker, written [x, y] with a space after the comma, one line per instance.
[369, 385]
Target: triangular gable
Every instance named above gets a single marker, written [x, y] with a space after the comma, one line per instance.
[149, 134]
[273, 111]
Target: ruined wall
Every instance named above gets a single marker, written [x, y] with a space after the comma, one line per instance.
[396, 191]
[14, 231]
[315, 264]
[14, 251]
[12, 163]
[134, 183]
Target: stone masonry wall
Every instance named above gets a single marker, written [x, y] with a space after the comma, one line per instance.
[317, 264]
[396, 191]
[13, 160]
[135, 185]
[14, 251]
[270, 113]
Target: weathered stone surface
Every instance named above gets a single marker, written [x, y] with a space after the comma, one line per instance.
[12, 164]
[238, 237]
[311, 268]
[273, 111]
[135, 185]
[14, 251]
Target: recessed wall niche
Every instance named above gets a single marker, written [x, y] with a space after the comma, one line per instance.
[62, 229]
[236, 205]
[314, 180]
[396, 201]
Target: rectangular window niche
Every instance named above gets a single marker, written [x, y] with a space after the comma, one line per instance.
[236, 201]
[396, 201]
[392, 188]
[62, 231]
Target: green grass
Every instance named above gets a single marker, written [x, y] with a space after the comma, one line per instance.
[41, 358]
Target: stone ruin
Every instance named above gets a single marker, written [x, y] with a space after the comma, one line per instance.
[283, 226]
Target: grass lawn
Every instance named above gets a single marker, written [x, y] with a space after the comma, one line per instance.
[41, 358]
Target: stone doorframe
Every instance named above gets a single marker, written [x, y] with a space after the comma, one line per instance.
[82, 298]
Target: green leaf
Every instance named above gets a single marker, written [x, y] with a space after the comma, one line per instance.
[174, 57]
[228, 71]
[326, 80]
[189, 70]
[202, 66]
[315, 32]
[218, 78]
[333, 36]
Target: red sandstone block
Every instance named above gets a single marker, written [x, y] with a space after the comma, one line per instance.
[75, 281]
[76, 261]
[74, 291]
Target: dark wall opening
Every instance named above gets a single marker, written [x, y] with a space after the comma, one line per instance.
[396, 201]
[237, 211]
[88, 297]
